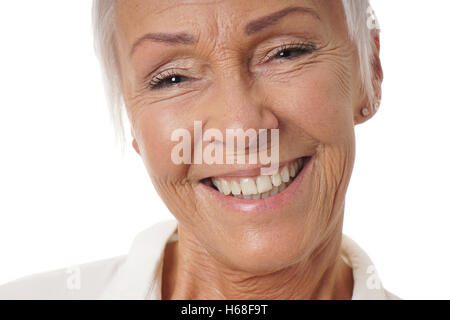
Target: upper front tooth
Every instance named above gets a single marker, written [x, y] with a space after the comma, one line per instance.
[248, 186]
[285, 174]
[235, 187]
[263, 184]
[226, 189]
[276, 179]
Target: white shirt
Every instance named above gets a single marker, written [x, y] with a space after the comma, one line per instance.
[138, 275]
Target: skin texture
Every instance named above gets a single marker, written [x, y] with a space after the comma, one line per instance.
[232, 81]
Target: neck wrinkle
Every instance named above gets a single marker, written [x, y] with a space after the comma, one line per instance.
[324, 276]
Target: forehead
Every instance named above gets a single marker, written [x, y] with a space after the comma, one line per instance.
[137, 17]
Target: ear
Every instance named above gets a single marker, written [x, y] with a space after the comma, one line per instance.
[135, 144]
[365, 110]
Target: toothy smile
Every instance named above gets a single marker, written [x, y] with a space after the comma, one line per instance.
[262, 186]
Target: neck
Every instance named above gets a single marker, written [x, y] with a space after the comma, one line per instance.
[190, 273]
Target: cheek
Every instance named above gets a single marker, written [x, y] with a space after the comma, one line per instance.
[317, 103]
[320, 106]
[153, 134]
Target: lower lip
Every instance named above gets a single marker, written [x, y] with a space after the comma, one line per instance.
[269, 204]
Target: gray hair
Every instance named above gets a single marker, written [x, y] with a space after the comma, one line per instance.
[361, 23]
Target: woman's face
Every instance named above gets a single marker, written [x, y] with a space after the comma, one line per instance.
[273, 64]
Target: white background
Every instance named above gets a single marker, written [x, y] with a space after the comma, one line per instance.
[68, 195]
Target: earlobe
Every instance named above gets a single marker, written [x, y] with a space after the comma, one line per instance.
[134, 143]
[135, 146]
[364, 114]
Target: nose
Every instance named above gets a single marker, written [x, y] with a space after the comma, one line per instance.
[237, 103]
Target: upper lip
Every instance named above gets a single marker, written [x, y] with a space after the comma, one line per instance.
[242, 170]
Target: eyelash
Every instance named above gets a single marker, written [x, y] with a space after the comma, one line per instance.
[305, 48]
[158, 81]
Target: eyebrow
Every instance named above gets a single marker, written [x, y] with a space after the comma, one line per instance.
[183, 38]
[170, 38]
[271, 19]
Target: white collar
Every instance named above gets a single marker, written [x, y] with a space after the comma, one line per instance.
[140, 276]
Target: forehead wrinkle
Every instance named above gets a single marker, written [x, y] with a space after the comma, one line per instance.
[177, 4]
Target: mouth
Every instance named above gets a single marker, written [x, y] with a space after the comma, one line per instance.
[258, 187]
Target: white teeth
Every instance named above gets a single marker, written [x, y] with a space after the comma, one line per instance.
[217, 184]
[285, 174]
[235, 187]
[292, 170]
[226, 189]
[276, 179]
[248, 186]
[264, 184]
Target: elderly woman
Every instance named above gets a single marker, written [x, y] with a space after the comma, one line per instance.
[307, 70]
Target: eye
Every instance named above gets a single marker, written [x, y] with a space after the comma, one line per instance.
[166, 80]
[291, 51]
